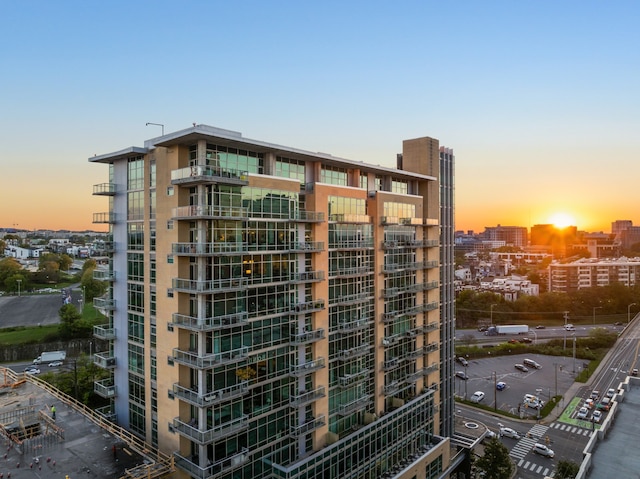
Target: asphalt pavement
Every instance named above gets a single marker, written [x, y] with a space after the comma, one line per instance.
[32, 309]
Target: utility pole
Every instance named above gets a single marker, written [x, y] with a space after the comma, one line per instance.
[574, 355]
[495, 388]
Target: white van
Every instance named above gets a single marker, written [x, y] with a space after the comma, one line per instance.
[531, 363]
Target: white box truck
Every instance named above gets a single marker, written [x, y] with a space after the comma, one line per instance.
[50, 356]
[507, 329]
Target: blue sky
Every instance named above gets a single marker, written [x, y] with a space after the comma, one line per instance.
[539, 100]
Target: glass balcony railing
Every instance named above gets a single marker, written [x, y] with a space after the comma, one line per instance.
[349, 218]
[356, 271]
[352, 378]
[215, 433]
[205, 361]
[105, 388]
[107, 412]
[307, 216]
[104, 304]
[430, 369]
[209, 286]
[352, 244]
[208, 174]
[210, 398]
[309, 306]
[210, 212]
[104, 189]
[307, 247]
[389, 220]
[212, 470]
[104, 332]
[104, 275]
[432, 326]
[307, 337]
[104, 218]
[391, 388]
[349, 299]
[307, 277]
[105, 360]
[303, 398]
[353, 406]
[299, 370]
[391, 364]
[309, 426]
[348, 327]
[212, 323]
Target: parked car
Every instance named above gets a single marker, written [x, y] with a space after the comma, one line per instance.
[477, 396]
[461, 375]
[500, 385]
[583, 413]
[508, 432]
[522, 368]
[489, 434]
[543, 450]
[462, 361]
[55, 364]
[589, 403]
[596, 416]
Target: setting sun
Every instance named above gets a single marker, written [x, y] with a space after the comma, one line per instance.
[562, 220]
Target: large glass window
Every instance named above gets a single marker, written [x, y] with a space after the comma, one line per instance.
[135, 297]
[136, 358]
[290, 168]
[137, 419]
[333, 175]
[339, 205]
[135, 236]
[135, 205]
[135, 267]
[136, 328]
[399, 210]
[400, 186]
[229, 158]
[135, 173]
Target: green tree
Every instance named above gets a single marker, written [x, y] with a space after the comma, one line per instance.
[77, 380]
[567, 470]
[89, 264]
[65, 262]
[72, 325]
[92, 287]
[495, 463]
[9, 267]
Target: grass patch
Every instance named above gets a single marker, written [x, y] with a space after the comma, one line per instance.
[36, 334]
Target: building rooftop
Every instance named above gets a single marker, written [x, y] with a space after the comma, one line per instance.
[78, 443]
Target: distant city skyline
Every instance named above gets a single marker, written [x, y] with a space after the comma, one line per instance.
[537, 100]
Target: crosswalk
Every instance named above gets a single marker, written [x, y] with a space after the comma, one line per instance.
[537, 434]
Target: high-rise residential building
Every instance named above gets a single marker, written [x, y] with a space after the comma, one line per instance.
[274, 312]
[510, 235]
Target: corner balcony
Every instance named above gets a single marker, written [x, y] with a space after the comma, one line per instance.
[104, 332]
[299, 370]
[199, 174]
[390, 340]
[353, 406]
[309, 306]
[195, 212]
[105, 388]
[205, 436]
[422, 308]
[307, 337]
[304, 398]
[309, 426]
[104, 189]
[104, 304]
[302, 216]
[307, 277]
[104, 275]
[348, 354]
[390, 316]
[104, 218]
[105, 360]
[307, 247]
[225, 465]
[207, 361]
[211, 397]
[210, 324]
[208, 287]
[107, 413]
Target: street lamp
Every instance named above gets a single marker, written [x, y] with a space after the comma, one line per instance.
[491, 312]
[18, 281]
[594, 313]
[629, 312]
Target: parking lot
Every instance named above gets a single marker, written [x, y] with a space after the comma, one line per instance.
[555, 377]
[31, 310]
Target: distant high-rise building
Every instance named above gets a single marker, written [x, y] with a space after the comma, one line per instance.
[511, 235]
[553, 239]
[619, 226]
[274, 312]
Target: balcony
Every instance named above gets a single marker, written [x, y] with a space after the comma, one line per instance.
[391, 388]
[348, 327]
[194, 212]
[104, 304]
[390, 245]
[205, 436]
[303, 216]
[389, 220]
[104, 218]
[198, 174]
[390, 316]
[226, 321]
[430, 369]
[349, 379]
[431, 222]
[104, 275]
[346, 272]
[431, 347]
[391, 364]
[211, 397]
[104, 189]
[422, 308]
[207, 361]
[348, 244]
[104, 360]
[353, 406]
[307, 427]
[105, 388]
[348, 354]
[352, 219]
[307, 337]
[304, 398]
[209, 286]
[432, 326]
[309, 306]
[104, 332]
[307, 277]
[107, 412]
[307, 247]
[389, 340]
[412, 221]
[213, 470]
[351, 299]
[208, 249]
[299, 370]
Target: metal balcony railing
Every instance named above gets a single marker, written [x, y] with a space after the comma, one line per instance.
[104, 189]
[307, 427]
[356, 271]
[307, 337]
[215, 433]
[391, 364]
[348, 354]
[210, 398]
[104, 332]
[205, 361]
[348, 299]
[107, 412]
[105, 388]
[389, 220]
[213, 470]
[348, 327]
[307, 277]
[353, 406]
[432, 326]
[105, 304]
[104, 218]
[391, 388]
[299, 370]
[104, 275]
[307, 216]
[105, 360]
[209, 286]
[351, 243]
[352, 378]
[430, 369]
[204, 249]
[307, 247]
[208, 174]
[303, 398]
[308, 306]
[212, 323]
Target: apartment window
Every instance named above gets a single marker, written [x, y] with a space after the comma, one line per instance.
[136, 328]
[400, 186]
[136, 358]
[170, 224]
[290, 168]
[339, 205]
[399, 210]
[135, 267]
[379, 183]
[135, 236]
[364, 181]
[333, 175]
[170, 259]
[229, 158]
[135, 297]
[152, 174]
[170, 191]
[137, 419]
[135, 205]
[152, 272]
[152, 204]
[169, 293]
[135, 173]
[137, 391]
